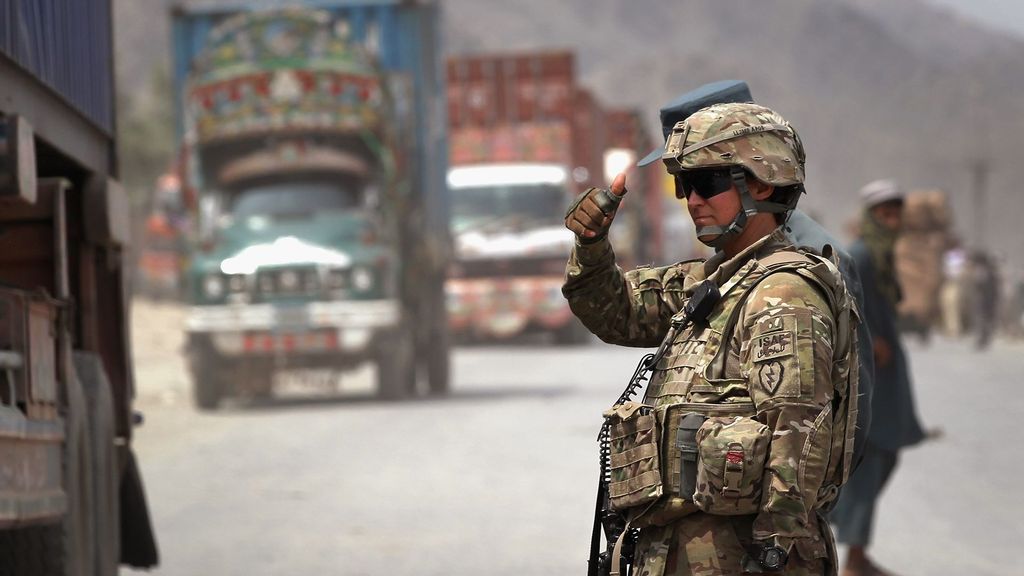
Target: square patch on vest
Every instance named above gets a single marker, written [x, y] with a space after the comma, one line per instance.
[769, 376]
[773, 345]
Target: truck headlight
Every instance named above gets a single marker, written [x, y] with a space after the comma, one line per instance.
[362, 279]
[213, 286]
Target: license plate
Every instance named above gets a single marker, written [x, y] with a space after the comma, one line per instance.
[318, 341]
[506, 323]
[292, 317]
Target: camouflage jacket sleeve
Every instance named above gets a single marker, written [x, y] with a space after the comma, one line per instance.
[786, 354]
[629, 309]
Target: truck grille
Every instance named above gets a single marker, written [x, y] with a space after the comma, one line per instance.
[288, 282]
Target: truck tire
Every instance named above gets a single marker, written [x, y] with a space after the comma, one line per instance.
[435, 345]
[396, 367]
[439, 368]
[258, 380]
[207, 375]
[79, 551]
[436, 355]
[33, 551]
[105, 530]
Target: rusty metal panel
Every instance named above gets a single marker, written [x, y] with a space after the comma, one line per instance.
[28, 329]
[30, 448]
[42, 360]
[12, 341]
[30, 469]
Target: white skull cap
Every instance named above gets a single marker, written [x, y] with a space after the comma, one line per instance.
[879, 192]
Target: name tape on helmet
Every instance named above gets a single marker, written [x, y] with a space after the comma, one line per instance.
[681, 129]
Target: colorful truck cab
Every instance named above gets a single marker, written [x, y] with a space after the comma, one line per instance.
[321, 240]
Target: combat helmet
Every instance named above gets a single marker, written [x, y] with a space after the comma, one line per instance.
[746, 139]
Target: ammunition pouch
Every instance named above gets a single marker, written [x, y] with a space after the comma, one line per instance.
[635, 470]
[730, 468]
[689, 457]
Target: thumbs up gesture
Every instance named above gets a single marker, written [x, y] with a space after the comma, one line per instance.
[591, 214]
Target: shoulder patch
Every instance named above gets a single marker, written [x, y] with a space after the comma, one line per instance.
[777, 344]
[769, 376]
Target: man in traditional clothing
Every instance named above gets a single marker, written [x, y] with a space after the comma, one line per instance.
[894, 423]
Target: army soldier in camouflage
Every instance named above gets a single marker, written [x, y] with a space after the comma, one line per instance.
[764, 386]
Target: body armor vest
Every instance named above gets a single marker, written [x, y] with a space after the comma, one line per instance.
[702, 373]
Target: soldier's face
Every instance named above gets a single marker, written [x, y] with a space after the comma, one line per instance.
[889, 215]
[721, 208]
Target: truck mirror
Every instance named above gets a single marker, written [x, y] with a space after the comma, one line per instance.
[17, 160]
[209, 217]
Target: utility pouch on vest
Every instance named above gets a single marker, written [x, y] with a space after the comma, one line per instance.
[635, 469]
[730, 471]
[686, 444]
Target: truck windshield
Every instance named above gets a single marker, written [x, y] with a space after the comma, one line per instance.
[289, 199]
[525, 204]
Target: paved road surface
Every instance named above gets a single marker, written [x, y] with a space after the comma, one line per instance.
[499, 478]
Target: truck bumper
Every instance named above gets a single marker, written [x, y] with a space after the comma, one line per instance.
[503, 307]
[316, 328]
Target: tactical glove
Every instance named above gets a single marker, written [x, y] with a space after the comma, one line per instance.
[591, 213]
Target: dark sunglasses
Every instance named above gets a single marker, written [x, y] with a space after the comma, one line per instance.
[706, 183]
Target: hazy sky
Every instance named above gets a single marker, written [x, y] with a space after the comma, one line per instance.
[1003, 14]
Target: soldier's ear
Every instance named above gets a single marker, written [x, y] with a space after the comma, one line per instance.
[759, 190]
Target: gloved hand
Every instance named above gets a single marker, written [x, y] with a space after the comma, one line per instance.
[591, 214]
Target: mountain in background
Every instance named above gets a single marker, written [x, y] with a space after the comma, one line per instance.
[876, 88]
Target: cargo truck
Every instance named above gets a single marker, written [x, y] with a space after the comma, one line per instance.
[314, 143]
[71, 496]
[525, 138]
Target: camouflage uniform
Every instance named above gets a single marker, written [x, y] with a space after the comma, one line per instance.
[769, 350]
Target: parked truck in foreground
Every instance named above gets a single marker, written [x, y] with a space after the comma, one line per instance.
[525, 138]
[314, 143]
[71, 497]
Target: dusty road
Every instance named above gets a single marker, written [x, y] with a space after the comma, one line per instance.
[499, 478]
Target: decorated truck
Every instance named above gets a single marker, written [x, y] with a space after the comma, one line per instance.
[524, 140]
[71, 496]
[314, 145]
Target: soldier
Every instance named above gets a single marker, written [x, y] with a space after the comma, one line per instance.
[801, 229]
[895, 425]
[766, 381]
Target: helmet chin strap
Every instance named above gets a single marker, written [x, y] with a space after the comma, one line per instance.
[750, 207]
[724, 235]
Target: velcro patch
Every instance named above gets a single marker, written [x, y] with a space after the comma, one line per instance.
[775, 345]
